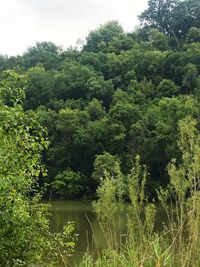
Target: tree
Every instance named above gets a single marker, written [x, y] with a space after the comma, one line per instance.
[158, 40]
[45, 54]
[22, 219]
[69, 184]
[167, 88]
[193, 35]
[106, 164]
[95, 110]
[159, 14]
[39, 89]
[100, 89]
[98, 40]
[172, 17]
[161, 132]
[125, 112]
[71, 82]
[189, 81]
[186, 15]
[24, 228]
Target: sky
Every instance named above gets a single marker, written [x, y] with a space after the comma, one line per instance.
[63, 22]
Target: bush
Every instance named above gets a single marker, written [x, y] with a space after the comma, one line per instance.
[68, 184]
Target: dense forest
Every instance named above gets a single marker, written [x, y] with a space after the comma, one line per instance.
[118, 120]
[118, 95]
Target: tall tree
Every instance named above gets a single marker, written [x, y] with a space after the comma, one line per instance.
[172, 17]
[98, 40]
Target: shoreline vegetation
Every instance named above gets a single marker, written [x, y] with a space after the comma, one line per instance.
[178, 243]
[117, 119]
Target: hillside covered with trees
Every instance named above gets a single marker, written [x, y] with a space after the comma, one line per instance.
[119, 95]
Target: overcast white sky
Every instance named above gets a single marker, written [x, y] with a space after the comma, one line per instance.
[25, 22]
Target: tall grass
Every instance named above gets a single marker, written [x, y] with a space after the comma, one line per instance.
[177, 242]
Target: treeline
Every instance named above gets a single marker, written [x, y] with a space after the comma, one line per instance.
[120, 95]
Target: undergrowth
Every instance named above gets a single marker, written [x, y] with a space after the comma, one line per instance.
[177, 242]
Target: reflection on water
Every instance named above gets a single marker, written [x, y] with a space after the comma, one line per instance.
[91, 238]
[86, 225]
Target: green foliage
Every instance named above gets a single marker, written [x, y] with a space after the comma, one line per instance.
[162, 131]
[193, 35]
[177, 242]
[125, 113]
[184, 215]
[99, 39]
[169, 16]
[106, 164]
[12, 88]
[24, 227]
[39, 88]
[71, 82]
[123, 93]
[45, 54]
[190, 78]
[95, 110]
[141, 214]
[21, 142]
[158, 40]
[108, 207]
[100, 89]
[120, 92]
[61, 246]
[167, 88]
[68, 184]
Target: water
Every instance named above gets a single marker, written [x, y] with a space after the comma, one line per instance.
[91, 238]
[86, 225]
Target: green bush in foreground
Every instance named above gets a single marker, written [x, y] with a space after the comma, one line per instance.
[24, 228]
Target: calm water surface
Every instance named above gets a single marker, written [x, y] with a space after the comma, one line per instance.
[90, 236]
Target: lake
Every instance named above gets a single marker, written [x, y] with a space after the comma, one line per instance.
[90, 239]
[86, 225]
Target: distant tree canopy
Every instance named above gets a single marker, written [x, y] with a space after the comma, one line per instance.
[99, 39]
[45, 54]
[172, 17]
